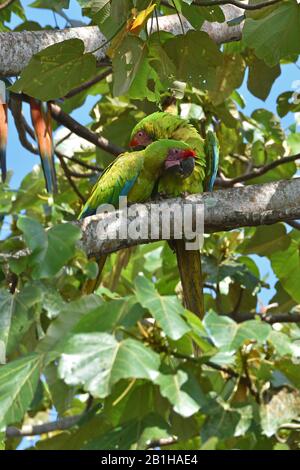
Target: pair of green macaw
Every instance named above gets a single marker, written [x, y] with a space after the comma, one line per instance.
[175, 160]
[41, 120]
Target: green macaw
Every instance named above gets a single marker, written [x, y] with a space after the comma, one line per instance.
[162, 125]
[134, 175]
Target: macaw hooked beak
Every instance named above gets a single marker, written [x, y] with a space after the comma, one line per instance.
[133, 142]
[175, 161]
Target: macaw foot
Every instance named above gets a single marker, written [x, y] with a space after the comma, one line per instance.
[184, 194]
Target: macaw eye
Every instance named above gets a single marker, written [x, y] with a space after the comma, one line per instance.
[176, 151]
[140, 134]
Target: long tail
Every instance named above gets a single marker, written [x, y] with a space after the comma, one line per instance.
[41, 120]
[189, 265]
[3, 130]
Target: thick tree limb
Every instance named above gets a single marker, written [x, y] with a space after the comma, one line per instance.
[224, 210]
[17, 48]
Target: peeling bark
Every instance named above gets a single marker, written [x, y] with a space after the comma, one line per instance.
[224, 210]
[17, 48]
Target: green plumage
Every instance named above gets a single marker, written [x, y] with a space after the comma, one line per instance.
[162, 125]
[131, 174]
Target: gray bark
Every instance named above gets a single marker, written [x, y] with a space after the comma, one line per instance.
[17, 48]
[224, 210]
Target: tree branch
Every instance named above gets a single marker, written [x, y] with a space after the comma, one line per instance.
[229, 182]
[59, 425]
[6, 4]
[68, 175]
[224, 210]
[236, 3]
[271, 318]
[62, 118]
[87, 85]
[17, 48]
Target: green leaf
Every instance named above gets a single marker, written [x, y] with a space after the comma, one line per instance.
[94, 5]
[126, 62]
[34, 233]
[49, 4]
[288, 272]
[198, 69]
[52, 302]
[275, 36]
[228, 77]
[267, 240]
[182, 390]
[288, 101]
[125, 312]
[282, 407]
[261, 78]
[67, 320]
[54, 71]
[220, 329]
[26, 307]
[97, 361]
[18, 382]
[166, 310]
[51, 250]
[196, 14]
[135, 435]
[228, 335]
[6, 310]
[294, 143]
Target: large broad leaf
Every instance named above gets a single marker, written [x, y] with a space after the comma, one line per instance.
[261, 78]
[18, 381]
[196, 14]
[49, 4]
[134, 434]
[276, 35]
[68, 318]
[126, 63]
[107, 317]
[267, 240]
[6, 310]
[55, 70]
[229, 76]
[97, 361]
[182, 390]
[26, 307]
[286, 266]
[196, 58]
[230, 336]
[282, 407]
[166, 310]
[51, 250]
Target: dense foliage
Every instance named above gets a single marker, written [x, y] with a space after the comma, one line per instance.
[121, 359]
